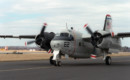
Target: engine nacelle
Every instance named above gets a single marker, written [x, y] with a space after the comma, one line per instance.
[44, 41]
[98, 40]
[107, 42]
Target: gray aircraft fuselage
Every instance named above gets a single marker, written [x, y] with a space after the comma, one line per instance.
[70, 42]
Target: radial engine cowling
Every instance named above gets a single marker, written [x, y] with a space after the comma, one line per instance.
[44, 42]
[99, 39]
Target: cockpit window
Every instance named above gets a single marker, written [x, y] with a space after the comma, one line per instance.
[71, 38]
[64, 34]
[57, 34]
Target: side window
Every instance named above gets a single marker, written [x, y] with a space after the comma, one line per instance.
[64, 34]
[71, 38]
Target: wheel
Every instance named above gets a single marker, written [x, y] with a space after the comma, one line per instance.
[55, 63]
[51, 61]
[108, 60]
[59, 63]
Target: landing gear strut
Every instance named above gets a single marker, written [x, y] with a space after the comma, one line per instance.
[108, 60]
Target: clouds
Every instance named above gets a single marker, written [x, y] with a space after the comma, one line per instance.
[67, 7]
[32, 6]
[27, 16]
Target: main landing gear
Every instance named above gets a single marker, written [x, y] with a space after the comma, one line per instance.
[108, 60]
[54, 62]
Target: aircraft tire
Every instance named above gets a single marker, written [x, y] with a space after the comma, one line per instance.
[55, 63]
[108, 60]
[59, 63]
[51, 61]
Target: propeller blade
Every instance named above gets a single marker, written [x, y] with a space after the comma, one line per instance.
[43, 29]
[106, 35]
[89, 30]
[30, 42]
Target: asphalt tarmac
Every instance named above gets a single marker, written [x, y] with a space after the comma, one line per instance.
[80, 69]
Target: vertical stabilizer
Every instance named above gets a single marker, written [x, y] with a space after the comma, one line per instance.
[108, 23]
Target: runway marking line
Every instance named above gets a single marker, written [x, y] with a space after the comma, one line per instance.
[33, 68]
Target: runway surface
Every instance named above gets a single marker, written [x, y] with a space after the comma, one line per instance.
[85, 69]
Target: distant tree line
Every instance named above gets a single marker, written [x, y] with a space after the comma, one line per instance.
[21, 48]
[125, 49]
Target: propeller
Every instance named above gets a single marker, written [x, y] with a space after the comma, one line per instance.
[40, 36]
[43, 30]
[96, 38]
[43, 39]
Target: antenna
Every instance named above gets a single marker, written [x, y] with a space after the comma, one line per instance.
[66, 26]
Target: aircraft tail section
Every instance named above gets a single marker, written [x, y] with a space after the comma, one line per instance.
[108, 23]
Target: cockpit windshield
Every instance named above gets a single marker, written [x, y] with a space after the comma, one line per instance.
[64, 34]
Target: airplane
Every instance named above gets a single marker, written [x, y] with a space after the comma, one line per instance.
[74, 44]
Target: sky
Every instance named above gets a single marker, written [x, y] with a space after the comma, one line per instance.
[26, 17]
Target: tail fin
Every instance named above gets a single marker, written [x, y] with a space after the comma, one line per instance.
[108, 23]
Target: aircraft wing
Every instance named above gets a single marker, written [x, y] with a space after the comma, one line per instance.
[122, 35]
[20, 36]
[87, 38]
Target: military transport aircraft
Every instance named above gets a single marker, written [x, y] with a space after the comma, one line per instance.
[74, 44]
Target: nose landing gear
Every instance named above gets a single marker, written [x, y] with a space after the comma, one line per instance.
[54, 62]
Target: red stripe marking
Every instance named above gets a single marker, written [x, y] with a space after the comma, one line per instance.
[93, 56]
[112, 34]
[49, 51]
[45, 24]
[85, 25]
[108, 15]
[25, 43]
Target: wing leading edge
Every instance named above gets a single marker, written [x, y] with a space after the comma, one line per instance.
[20, 36]
[122, 35]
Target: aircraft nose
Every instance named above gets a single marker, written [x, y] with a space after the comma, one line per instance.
[56, 45]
